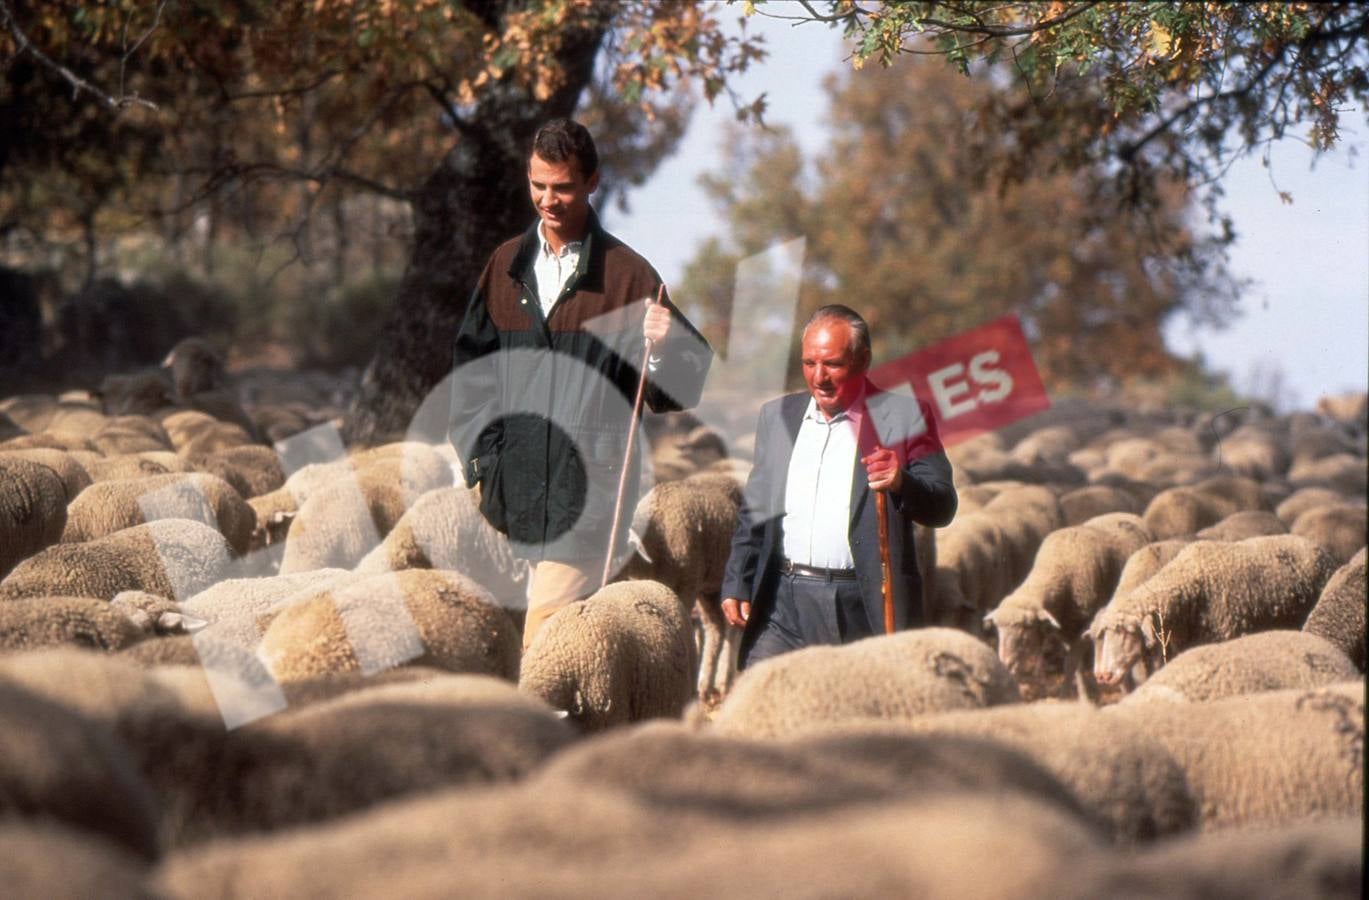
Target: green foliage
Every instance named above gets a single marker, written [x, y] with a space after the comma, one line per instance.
[338, 328]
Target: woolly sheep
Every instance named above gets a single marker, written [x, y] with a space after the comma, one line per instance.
[252, 469]
[1291, 862]
[74, 476]
[1141, 491]
[1145, 562]
[1303, 499]
[1247, 523]
[81, 621]
[47, 440]
[138, 393]
[1343, 472]
[134, 465]
[1073, 577]
[445, 530]
[896, 676]
[57, 764]
[1266, 661]
[1082, 504]
[1050, 444]
[1339, 613]
[1176, 469]
[685, 528]
[194, 367]
[76, 420]
[130, 434]
[1025, 516]
[43, 859]
[168, 557]
[1122, 775]
[1210, 592]
[33, 510]
[1246, 493]
[514, 842]
[1180, 511]
[623, 655]
[973, 571]
[1340, 530]
[1253, 452]
[459, 627]
[193, 432]
[1270, 758]
[1350, 409]
[1319, 440]
[31, 412]
[110, 506]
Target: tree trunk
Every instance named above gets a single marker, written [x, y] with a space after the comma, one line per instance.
[476, 199]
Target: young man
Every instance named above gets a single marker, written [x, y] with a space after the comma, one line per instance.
[546, 367]
[805, 562]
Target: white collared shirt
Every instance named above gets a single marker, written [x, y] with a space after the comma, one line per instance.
[817, 494]
[552, 270]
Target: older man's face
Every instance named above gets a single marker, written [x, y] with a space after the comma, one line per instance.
[831, 370]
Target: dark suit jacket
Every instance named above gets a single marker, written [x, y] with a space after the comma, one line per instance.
[927, 497]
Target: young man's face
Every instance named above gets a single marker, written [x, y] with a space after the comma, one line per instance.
[560, 194]
[833, 373]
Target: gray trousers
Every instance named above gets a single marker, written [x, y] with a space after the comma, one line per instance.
[810, 611]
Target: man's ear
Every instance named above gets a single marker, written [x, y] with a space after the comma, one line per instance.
[593, 182]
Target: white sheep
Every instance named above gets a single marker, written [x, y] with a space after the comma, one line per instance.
[1210, 591]
[1339, 613]
[1270, 758]
[623, 655]
[1303, 499]
[1265, 661]
[40, 858]
[1074, 575]
[425, 616]
[1181, 511]
[898, 676]
[1342, 472]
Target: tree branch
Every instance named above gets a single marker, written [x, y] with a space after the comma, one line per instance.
[78, 84]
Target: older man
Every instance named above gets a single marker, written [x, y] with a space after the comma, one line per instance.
[547, 363]
[805, 562]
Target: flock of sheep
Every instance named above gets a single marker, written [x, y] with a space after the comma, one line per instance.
[227, 671]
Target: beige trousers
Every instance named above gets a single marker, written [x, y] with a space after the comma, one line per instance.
[555, 585]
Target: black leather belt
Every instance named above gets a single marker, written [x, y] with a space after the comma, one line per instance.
[789, 567]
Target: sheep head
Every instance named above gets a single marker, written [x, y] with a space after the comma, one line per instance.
[153, 615]
[1121, 647]
[1022, 638]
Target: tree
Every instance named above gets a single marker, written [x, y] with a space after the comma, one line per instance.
[274, 106]
[1157, 89]
[898, 227]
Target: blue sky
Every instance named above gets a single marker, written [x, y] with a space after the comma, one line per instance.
[1306, 313]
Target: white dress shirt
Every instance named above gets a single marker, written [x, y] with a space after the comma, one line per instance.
[552, 270]
[817, 494]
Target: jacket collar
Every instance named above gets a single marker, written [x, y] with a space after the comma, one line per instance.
[594, 243]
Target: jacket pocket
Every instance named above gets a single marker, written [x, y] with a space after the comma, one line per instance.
[492, 505]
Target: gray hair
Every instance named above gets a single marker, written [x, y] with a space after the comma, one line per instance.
[860, 329]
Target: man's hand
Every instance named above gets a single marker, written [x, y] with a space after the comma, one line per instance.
[883, 470]
[736, 612]
[657, 322]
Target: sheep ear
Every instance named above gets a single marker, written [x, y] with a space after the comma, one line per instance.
[990, 621]
[179, 623]
[1049, 619]
[1148, 632]
[170, 358]
[634, 541]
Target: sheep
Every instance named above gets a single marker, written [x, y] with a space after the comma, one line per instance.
[513, 841]
[1025, 516]
[973, 571]
[84, 621]
[168, 557]
[1119, 773]
[427, 616]
[1145, 562]
[1050, 444]
[1141, 491]
[76, 420]
[1265, 661]
[74, 476]
[134, 465]
[896, 676]
[385, 738]
[1246, 493]
[110, 506]
[1247, 523]
[445, 530]
[1082, 504]
[1176, 469]
[1275, 757]
[1210, 592]
[47, 440]
[33, 510]
[252, 469]
[130, 434]
[43, 859]
[685, 528]
[193, 432]
[1350, 409]
[1073, 577]
[623, 655]
[1341, 529]
[1339, 613]
[194, 367]
[1315, 859]
[1343, 472]
[1252, 452]
[1184, 510]
[238, 609]
[31, 412]
[59, 765]
[1303, 499]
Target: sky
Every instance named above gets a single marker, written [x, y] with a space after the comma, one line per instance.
[1305, 314]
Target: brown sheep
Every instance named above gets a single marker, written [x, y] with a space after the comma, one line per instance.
[1339, 613]
[33, 510]
[110, 506]
[1341, 529]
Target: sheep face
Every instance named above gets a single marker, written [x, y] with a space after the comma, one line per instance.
[1119, 650]
[1022, 644]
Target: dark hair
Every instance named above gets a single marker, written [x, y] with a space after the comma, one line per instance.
[860, 330]
[561, 139]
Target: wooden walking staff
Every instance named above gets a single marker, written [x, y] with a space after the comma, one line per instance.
[886, 577]
[627, 454]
